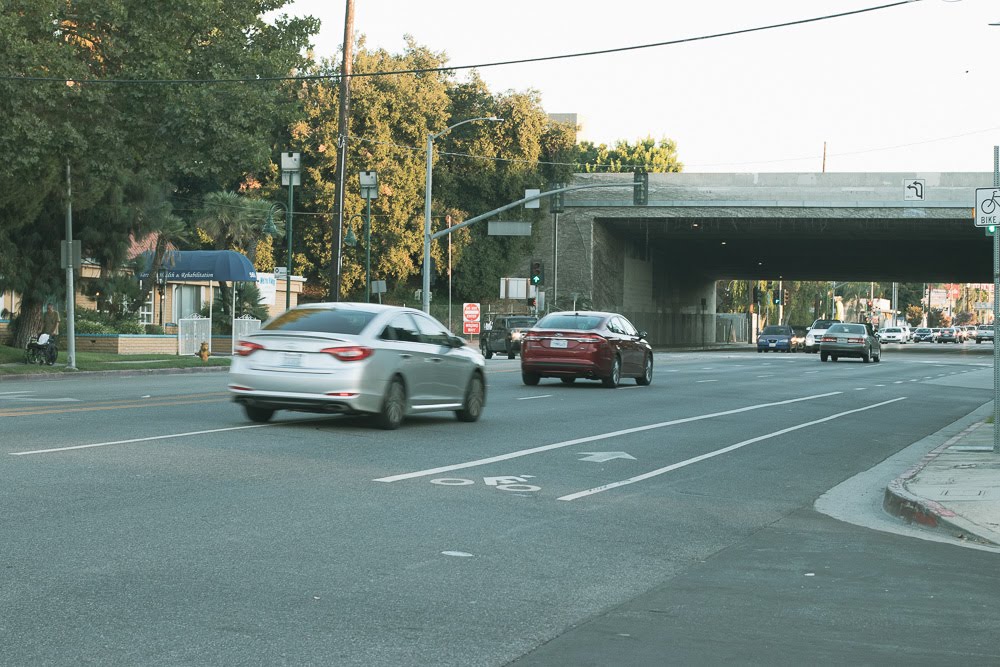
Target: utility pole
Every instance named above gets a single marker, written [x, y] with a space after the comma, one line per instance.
[343, 127]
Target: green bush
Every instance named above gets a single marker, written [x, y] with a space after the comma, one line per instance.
[94, 322]
[154, 329]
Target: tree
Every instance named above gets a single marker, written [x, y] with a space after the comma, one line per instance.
[112, 135]
[653, 156]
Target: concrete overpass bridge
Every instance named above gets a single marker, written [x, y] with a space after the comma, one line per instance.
[658, 263]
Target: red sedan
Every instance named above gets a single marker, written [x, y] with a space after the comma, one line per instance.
[591, 345]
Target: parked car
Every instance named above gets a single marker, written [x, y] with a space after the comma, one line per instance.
[776, 337]
[935, 334]
[892, 335]
[505, 335]
[588, 344]
[949, 335]
[357, 358]
[798, 338]
[850, 340]
[984, 332]
[970, 331]
[923, 335]
[815, 334]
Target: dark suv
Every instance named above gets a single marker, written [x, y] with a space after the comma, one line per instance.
[505, 335]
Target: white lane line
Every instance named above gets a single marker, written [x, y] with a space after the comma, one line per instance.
[700, 381]
[9, 393]
[147, 439]
[531, 398]
[592, 438]
[860, 388]
[880, 385]
[769, 375]
[808, 372]
[719, 452]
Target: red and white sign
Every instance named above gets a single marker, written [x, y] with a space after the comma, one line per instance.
[470, 312]
[470, 328]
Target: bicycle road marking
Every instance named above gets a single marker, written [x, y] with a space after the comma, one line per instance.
[592, 438]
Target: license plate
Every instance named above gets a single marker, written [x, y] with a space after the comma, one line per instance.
[291, 359]
[772, 345]
[558, 342]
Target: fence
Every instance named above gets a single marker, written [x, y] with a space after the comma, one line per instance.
[191, 333]
[732, 328]
[243, 325]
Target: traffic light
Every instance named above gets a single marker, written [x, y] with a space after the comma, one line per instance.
[991, 230]
[756, 294]
[537, 272]
[640, 188]
[784, 296]
[776, 297]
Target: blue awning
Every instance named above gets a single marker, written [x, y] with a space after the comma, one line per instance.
[224, 265]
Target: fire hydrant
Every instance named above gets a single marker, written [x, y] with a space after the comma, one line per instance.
[203, 352]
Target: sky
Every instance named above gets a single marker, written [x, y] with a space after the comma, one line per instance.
[910, 88]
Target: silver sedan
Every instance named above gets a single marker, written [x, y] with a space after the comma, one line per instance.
[357, 358]
[850, 340]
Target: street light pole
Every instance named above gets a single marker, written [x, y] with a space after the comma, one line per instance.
[425, 295]
[289, 177]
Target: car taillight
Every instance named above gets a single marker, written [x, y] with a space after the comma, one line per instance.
[350, 353]
[591, 338]
[829, 339]
[245, 348]
[855, 340]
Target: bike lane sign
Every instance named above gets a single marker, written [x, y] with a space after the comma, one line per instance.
[987, 207]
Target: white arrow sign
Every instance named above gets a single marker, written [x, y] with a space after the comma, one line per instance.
[601, 457]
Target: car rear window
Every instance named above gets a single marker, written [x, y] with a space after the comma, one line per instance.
[775, 330]
[326, 320]
[847, 328]
[563, 321]
[822, 324]
[893, 330]
[520, 322]
[923, 331]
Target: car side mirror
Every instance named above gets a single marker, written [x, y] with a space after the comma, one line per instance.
[642, 335]
[456, 341]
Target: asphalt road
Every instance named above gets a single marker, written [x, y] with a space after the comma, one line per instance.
[145, 521]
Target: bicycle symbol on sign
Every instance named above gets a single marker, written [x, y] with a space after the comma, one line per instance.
[990, 205]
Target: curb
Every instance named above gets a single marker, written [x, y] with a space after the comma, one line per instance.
[64, 375]
[899, 501]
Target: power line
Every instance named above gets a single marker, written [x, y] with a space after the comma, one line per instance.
[451, 68]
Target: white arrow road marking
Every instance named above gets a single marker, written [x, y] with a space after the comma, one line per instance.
[593, 438]
[719, 452]
[601, 457]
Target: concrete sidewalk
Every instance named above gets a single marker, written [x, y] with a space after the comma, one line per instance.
[954, 488]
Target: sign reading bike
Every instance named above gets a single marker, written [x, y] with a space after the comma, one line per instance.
[987, 207]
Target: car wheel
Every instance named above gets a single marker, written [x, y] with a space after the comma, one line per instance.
[833, 357]
[259, 415]
[487, 353]
[878, 357]
[511, 355]
[530, 379]
[822, 356]
[866, 356]
[475, 399]
[567, 380]
[759, 350]
[393, 406]
[647, 372]
[615, 376]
